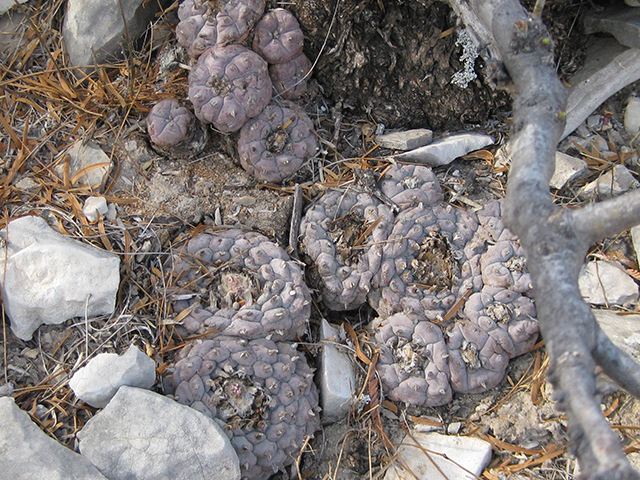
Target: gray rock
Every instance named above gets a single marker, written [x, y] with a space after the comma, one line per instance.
[100, 379]
[50, 278]
[605, 283]
[621, 22]
[6, 5]
[447, 149]
[611, 184]
[28, 453]
[407, 140]
[142, 435]
[608, 68]
[94, 32]
[13, 32]
[337, 377]
[86, 156]
[635, 238]
[94, 207]
[623, 330]
[567, 169]
[466, 457]
[632, 116]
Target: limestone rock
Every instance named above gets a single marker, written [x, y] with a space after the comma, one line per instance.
[466, 457]
[611, 184]
[6, 5]
[635, 238]
[146, 436]
[608, 68]
[447, 149]
[94, 31]
[623, 330]
[94, 207]
[567, 169]
[51, 278]
[337, 377]
[604, 283]
[407, 140]
[100, 379]
[621, 22]
[29, 453]
[86, 156]
[632, 116]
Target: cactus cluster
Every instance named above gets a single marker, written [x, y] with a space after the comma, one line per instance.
[243, 370]
[449, 286]
[229, 83]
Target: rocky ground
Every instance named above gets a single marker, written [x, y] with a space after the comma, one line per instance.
[158, 202]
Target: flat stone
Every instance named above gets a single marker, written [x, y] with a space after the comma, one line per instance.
[615, 182]
[621, 22]
[623, 330]
[407, 140]
[94, 31]
[87, 156]
[605, 283]
[94, 207]
[98, 381]
[337, 377]
[635, 239]
[568, 168]
[50, 278]
[28, 453]
[466, 457]
[608, 68]
[146, 436]
[632, 116]
[6, 5]
[447, 149]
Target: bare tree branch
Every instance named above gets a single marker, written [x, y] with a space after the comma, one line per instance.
[556, 240]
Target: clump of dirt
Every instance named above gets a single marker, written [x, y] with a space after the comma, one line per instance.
[394, 61]
[435, 265]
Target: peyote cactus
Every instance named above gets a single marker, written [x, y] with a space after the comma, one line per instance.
[229, 85]
[173, 130]
[278, 37]
[273, 145]
[252, 288]
[260, 392]
[341, 236]
[204, 24]
[428, 261]
[289, 78]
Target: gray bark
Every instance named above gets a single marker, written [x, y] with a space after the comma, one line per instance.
[556, 240]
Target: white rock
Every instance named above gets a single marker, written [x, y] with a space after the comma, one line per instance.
[27, 184]
[567, 169]
[51, 278]
[601, 279]
[93, 207]
[608, 68]
[100, 379]
[635, 238]
[146, 436]
[472, 454]
[94, 31]
[407, 140]
[337, 377]
[623, 330]
[632, 116]
[86, 156]
[447, 149]
[611, 184]
[6, 5]
[27, 453]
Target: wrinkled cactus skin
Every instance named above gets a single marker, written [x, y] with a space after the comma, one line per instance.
[289, 78]
[449, 287]
[237, 18]
[278, 37]
[197, 33]
[260, 392]
[173, 130]
[273, 145]
[253, 289]
[229, 85]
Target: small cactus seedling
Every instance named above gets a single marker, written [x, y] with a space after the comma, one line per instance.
[173, 130]
[290, 78]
